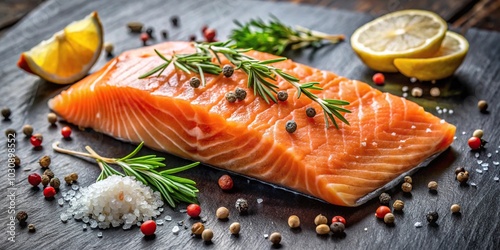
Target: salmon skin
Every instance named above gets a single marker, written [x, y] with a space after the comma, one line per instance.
[388, 135]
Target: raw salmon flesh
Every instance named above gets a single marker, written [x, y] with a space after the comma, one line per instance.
[388, 135]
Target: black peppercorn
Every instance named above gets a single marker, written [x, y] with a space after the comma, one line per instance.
[310, 112]
[149, 31]
[227, 70]
[164, 34]
[194, 82]
[10, 132]
[337, 227]
[241, 205]
[6, 113]
[55, 183]
[175, 21]
[17, 161]
[231, 97]
[432, 217]
[291, 126]
[240, 93]
[44, 162]
[282, 95]
[459, 170]
[22, 216]
[192, 38]
[49, 173]
[384, 198]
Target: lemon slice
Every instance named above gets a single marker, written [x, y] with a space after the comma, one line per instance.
[443, 64]
[401, 34]
[69, 54]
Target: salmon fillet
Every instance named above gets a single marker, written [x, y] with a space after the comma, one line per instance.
[387, 136]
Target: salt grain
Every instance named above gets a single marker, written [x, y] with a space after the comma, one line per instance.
[435, 92]
[159, 222]
[450, 111]
[259, 200]
[366, 229]
[405, 88]
[266, 235]
[496, 163]
[363, 143]
[418, 224]
[168, 218]
[413, 79]
[84, 227]
[74, 187]
[473, 184]
[413, 127]
[440, 111]
[183, 210]
[393, 133]
[64, 217]
[496, 179]
[463, 133]
[489, 155]
[99, 234]
[428, 130]
[175, 230]
[485, 165]
[476, 155]
[479, 161]
[479, 171]
[60, 201]
[405, 95]
[416, 92]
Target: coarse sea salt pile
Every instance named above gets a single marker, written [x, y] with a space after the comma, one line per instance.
[115, 201]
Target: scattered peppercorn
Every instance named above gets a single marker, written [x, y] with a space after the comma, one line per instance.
[175, 21]
[144, 38]
[227, 70]
[435, 92]
[52, 118]
[27, 130]
[408, 179]
[432, 185]
[378, 78]
[320, 219]
[382, 211]
[293, 221]
[34, 179]
[459, 170]
[193, 210]
[66, 132]
[22, 216]
[432, 217]
[222, 213]
[225, 182]
[463, 177]
[241, 94]
[203, 28]
[482, 105]
[31, 228]
[310, 112]
[6, 113]
[275, 238]
[398, 205]
[45, 180]
[164, 34]
[207, 235]
[406, 187]
[55, 183]
[322, 229]
[49, 173]
[389, 218]
[194, 82]
[44, 161]
[337, 227]
[475, 143]
[69, 179]
[231, 97]
[384, 198]
[339, 218]
[241, 205]
[135, 27]
[282, 95]
[108, 48]
[478, 133]
[209, 35]
[10, 132]
[197, 228]
[149, 31]
[49, 192]
[17, 161]
[36, 140]
[291, 126]
[192, 38]
[455, 208]
[74, 176]
[416, 92]
[234, 228]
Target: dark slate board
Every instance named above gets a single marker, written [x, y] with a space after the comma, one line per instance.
[478, 78]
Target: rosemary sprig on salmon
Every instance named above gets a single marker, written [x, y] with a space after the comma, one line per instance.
[261, 74]
[174, 189]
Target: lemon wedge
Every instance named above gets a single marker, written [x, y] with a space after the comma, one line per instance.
[401, 34]
[69, 54]
[441, 65]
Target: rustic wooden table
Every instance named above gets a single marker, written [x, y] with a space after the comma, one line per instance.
[483, 14]
[478, 77]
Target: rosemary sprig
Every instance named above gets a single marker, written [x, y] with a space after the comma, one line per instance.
[261, 75]
[275, 37]
[173, 189]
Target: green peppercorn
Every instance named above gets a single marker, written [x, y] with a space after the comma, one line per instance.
[74, 176]
[282, 95]
[227, 70]
[135, 27]
[275, 238]
[398, 205]
[337, 227]
[291, 126]
[320, 219]
[52, 118]
[432, 185]
[240, 93]
[459, 170]
[22, 216]
[463, 177]
[384, 198]
[455, 208]
[293, 221]
[55, 183]
[310, 112]
[234, 228]
[482, 105]
[6, 113]
[406, 187]
[408, 179]
[194, 82]
[44, 161]
[10, 132]
[207, 235]
[31, 228]
[45, 180]
[478, 133]
[231, 97]
[28, 130]
[432, 217]
[49, 173]
[389, 218]
[108, 48]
